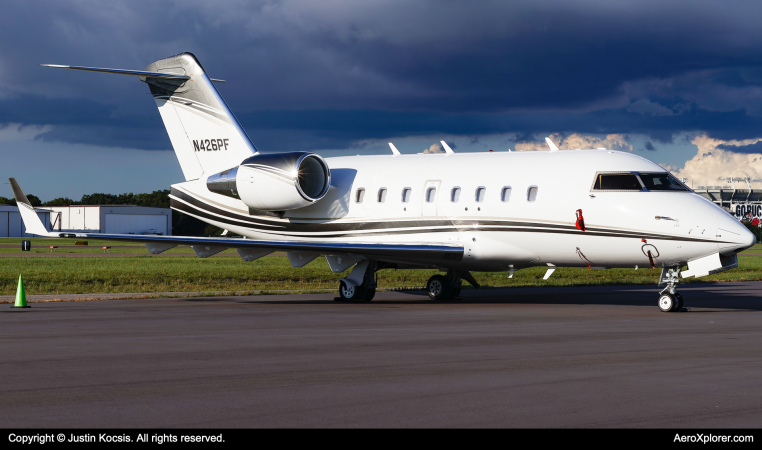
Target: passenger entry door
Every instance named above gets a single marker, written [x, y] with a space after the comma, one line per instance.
[429, 199]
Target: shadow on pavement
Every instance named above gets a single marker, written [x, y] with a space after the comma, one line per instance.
[716, 296]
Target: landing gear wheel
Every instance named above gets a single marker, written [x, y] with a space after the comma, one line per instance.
[437, 288]
[667, 302]
[369, 294]
[350, 293]
[679, 302]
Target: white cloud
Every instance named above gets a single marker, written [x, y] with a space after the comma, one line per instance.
[434, 148]
[711, 165]
[576, 140]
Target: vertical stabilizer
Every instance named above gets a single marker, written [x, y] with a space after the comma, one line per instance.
[205, 134]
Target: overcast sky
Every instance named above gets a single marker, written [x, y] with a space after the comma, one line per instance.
[679, 83]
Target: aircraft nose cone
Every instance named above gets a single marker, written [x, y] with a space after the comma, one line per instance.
[733, 236]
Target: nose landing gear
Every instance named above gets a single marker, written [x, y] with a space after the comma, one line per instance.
[669, 299]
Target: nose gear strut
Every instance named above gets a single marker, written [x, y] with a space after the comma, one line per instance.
[669, 299]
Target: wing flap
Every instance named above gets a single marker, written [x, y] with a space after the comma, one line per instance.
[402, 252]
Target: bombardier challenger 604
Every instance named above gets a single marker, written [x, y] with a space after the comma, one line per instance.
[493, 211]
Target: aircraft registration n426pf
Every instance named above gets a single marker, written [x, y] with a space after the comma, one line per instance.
[496, 211]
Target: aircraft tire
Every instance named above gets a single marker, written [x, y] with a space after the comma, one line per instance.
[679, 302]
[350, 293]
[437, 288]
[667, 303]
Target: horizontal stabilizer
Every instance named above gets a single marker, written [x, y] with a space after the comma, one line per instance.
[136, 73]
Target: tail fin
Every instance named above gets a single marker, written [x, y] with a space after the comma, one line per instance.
[205, 134]
[28, 215]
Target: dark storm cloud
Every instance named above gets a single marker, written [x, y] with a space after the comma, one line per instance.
[752, 148]
[649, 146]
[327, 73]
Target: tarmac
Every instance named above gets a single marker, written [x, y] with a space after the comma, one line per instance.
[516, 357]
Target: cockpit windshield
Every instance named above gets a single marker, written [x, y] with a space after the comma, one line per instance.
[618, 182]
[636, 181]
[661, 182]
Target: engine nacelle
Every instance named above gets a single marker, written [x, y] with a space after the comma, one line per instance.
[275, 181]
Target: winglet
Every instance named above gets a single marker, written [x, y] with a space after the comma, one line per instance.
[28, 215]
[394, 149]
[446, 147]
[552, 146]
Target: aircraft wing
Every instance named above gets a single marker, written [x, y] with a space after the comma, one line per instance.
[249, 249]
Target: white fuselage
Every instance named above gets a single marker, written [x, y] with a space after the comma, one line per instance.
[496, 234]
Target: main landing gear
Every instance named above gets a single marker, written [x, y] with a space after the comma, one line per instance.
[360, 285]
[669, 299]
[447, 287]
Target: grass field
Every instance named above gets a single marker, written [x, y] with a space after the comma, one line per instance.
[228, 272]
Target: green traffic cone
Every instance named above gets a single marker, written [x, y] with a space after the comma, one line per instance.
[20, 296]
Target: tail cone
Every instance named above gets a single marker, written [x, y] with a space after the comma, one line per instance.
[20, 296]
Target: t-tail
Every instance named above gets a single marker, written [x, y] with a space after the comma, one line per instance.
[205, 134]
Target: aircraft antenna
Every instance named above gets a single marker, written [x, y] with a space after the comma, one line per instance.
[552, 146]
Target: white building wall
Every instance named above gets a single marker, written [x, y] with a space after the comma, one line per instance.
[79, 218]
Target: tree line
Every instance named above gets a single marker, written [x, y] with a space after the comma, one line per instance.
[182, 224]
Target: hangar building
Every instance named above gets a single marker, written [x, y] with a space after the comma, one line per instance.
[11, 224]
[740, 200]
[110, 219]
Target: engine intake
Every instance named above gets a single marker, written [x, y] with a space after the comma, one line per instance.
[275, 181]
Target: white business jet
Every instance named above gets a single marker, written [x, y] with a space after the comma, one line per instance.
[495, 211]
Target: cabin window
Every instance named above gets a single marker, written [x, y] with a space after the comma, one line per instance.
[455, 195]
[431, 194]
[505, 194]
[661, 182]
[359, 195]
[382, 195]
[406, 195]
[532, 193]
[480, 192]
[617, 182]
